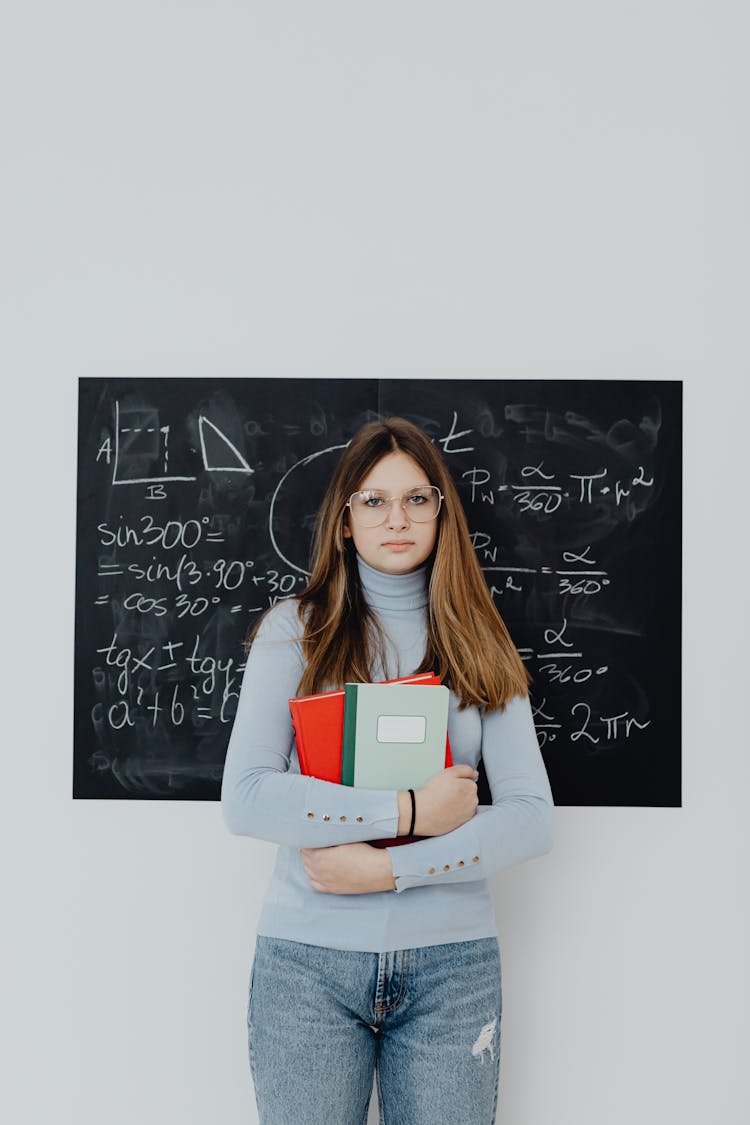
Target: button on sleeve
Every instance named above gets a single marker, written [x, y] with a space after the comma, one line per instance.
[260, 796]
[517, 826]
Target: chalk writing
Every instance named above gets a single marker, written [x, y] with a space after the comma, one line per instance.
[196, 510]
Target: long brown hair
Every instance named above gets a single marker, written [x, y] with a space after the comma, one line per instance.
[468, 644]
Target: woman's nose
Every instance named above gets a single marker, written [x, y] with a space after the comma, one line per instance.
[397, 516]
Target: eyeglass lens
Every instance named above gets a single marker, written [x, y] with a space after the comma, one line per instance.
[371, 508]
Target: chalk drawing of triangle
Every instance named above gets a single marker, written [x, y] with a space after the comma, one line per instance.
[225, 457]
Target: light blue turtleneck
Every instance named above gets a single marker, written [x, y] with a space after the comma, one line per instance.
[264, 795]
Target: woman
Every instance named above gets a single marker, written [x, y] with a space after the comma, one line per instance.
[368, 955]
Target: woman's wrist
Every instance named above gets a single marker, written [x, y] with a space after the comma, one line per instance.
[388, 882]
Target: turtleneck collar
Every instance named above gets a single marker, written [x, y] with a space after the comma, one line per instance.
[396, 593]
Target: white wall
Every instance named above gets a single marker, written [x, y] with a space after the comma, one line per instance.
[419, 189]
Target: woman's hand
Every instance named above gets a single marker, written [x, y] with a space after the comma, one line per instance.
[446, 801]
[348, 869]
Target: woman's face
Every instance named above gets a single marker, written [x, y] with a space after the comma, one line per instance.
[399, 544]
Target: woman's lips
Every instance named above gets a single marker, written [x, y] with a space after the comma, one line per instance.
[398, 544]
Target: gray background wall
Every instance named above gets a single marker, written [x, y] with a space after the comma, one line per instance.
[418, 190]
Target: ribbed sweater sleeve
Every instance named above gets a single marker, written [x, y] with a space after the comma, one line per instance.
[259, 796]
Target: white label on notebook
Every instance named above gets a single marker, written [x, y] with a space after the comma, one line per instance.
[402, 728]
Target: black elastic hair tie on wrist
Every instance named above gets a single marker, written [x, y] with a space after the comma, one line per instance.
[413, 812]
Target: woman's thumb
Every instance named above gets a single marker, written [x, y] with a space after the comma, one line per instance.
[463, 770]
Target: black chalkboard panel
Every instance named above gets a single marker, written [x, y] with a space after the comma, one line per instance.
[196, 501]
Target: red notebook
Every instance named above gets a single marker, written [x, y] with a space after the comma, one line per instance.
[318, 722]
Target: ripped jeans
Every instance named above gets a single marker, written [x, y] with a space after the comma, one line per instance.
[426, 1020]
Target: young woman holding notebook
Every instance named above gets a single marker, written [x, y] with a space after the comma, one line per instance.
[384, 959]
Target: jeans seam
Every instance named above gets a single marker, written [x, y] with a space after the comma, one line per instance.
[381, 1010]
[381, 1110]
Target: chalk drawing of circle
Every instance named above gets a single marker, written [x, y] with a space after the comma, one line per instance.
[295, 504]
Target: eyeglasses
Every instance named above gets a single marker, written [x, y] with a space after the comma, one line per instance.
[370, 508]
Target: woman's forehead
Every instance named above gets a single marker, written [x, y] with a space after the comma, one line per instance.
[396, 471]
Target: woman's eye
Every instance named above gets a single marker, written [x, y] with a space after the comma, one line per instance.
[417, 499]
[373, 501]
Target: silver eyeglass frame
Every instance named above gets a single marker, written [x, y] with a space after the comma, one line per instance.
[389, 500]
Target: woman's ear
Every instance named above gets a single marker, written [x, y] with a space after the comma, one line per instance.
[347, 533]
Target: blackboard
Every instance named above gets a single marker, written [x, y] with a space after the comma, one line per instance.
[196, 502]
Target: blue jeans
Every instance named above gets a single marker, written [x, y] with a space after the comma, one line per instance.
[426, 1020]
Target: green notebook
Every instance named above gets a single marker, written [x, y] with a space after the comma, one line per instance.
[394, 735]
